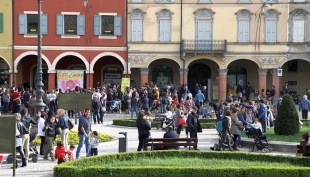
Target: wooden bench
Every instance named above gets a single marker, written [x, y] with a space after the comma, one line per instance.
[158, 120]
[170, 142]
[303, 150]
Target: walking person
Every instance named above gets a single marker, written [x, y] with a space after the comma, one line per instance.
[192, 124]
[304, 106]
[6, 101]
[41, 125]
[143, 130]
[103, 108]
[262, 115]
[50, 132]
[18, 140]
[84, 131]
[94, 144]
[64, 125]
[26, 121]
[145, 103]
[96, 107]
[134, 106]
[234, 127]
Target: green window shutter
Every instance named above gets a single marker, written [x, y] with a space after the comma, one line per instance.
[22, 18]
[1, 22]
[118, 25]
[59, 24]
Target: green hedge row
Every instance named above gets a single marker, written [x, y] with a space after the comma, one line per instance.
[89, 166]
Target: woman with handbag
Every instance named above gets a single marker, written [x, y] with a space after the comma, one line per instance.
[235, 127]
[180, 120]
[50, 133]
[143, 130]
[103, 109]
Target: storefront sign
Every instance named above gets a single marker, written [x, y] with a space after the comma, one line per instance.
[125, 83]
[112, 76]
[68, 79]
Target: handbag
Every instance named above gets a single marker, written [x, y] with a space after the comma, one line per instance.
[182, 121]
[103, 109]
[70, 124]
[240, 126]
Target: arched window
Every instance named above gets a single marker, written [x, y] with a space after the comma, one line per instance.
[162, 75]
[271, 25]
[164, 23]
[244, 21]
[137, 17]
[298, 19]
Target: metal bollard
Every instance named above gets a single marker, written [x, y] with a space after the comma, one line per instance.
[122, 145]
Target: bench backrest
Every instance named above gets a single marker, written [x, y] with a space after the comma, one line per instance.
[170, 142]
[305, 150]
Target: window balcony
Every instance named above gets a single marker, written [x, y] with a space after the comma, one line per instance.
[203, 46]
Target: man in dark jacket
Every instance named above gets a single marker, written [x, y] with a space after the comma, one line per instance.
[170, 134]
[192, 124]
[225, 134]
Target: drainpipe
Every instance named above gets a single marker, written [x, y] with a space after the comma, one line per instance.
[13, 27]
[181, 40]
[126, 39]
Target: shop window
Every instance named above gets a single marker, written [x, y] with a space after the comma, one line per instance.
[162, 75]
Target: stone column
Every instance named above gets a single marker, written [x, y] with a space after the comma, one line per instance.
[183, 76]
[223, 84]
[276, 82]
[144, 75]
[89, 80]
[51, 81]
[262, 75]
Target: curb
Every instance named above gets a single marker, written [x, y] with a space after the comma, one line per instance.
[278, 146]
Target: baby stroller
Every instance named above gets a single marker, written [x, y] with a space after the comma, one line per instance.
[168, 122]
[155, 107]
[33, 152]
[260, 140]
[115, 106]
[228, 142]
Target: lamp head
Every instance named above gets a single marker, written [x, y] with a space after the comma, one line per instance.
[85, 2]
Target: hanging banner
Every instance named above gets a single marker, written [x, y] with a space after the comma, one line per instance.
[125, 83]
[68, 79]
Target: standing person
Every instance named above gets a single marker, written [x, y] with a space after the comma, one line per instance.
[199, 97]
[15, 97]
[96, 107]
[178, 114]
[285, 89]
[163, 102]
[262, 115]
[242, 117]
[248, 90]
[18, 140]
[103, 109]
[26, 121]
[60, 153]
[50, 132]
[84, 131]
[262, 95]
[145, 103]
[272, 94]
[192, 124]
[134, 106]
[234, 127]
[304, 106]
[143, 130]
[6, 97]
[94, 144]
[226, 134]
[64, 125]
[41, 125]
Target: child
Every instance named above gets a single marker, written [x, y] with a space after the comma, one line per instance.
[60, 153]
[94, 144]
[148, 117]
[71, 153]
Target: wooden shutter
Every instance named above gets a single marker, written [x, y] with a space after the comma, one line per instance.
[97, 25]
[59, 24]
[246, 31]
[118, 25]
[273, 29]
[22, 18]
[164, 30]
[1, 22]
[204, 1]
[299, 31]
[139, 30]
[161, 30]
[81, 25]
[44, 23]
[240, 31]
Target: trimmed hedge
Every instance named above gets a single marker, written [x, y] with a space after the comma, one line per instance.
[88, 166]
[205, 123]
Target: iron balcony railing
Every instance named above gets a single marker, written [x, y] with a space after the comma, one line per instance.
[203, 46]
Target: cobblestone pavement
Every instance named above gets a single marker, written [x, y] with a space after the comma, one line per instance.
[44, 168]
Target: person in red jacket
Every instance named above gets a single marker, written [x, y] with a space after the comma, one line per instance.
[60, 153]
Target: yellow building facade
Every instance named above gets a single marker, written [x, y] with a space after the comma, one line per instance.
[6, 33]
[220, 44]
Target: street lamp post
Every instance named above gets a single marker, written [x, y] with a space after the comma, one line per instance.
[39, 104]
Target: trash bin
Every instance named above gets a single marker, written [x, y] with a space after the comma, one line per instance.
[122, 145]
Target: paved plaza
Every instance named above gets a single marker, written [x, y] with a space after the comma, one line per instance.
[44, 168]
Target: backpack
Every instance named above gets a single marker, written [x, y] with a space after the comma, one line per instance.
[219, 126]
[164, 100]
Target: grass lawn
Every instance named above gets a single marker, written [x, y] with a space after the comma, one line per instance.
[291, 138]
[193, 162]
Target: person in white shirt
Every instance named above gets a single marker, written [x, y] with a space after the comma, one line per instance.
[257, 124]
[41, 125]
[52, 98]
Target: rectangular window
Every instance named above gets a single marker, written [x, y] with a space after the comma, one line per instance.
[107, 27]
[243, 31]
[298, 31]
[136, 0]
[28, 23]
[164, 30]
[70, 22]
[32, 23]
[1, 22]
[245, 1]
[203, 1]
[271, 31]
[164, 1]
[299, 1]
[136, 30]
